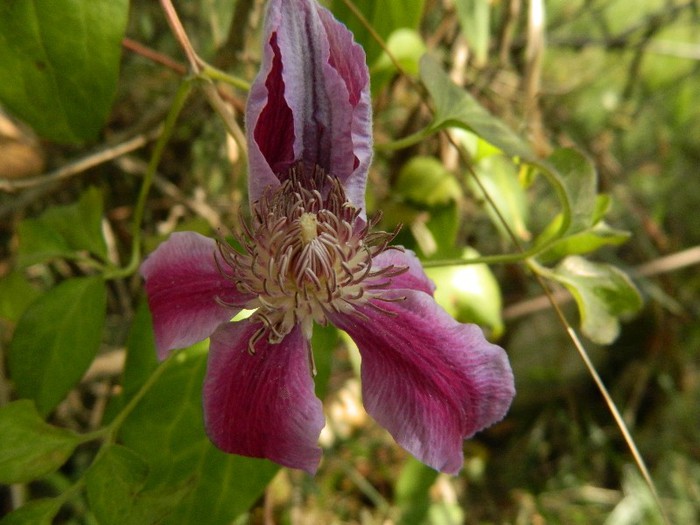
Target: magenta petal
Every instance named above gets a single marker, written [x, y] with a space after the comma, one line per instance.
[325, 84]
[262, 405]
[429, 380]
[183, 283]
[413, 279]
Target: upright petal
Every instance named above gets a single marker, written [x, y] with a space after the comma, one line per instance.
[184, 286]
[314, 71]
[429, 380]
[262, 405]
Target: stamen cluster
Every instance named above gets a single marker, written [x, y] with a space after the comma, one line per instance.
[307, 252]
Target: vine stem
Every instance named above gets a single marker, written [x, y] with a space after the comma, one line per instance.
[117, 422]
[179, 102]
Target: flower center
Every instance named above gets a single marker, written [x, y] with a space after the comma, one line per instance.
[307, 253]
[309, 228]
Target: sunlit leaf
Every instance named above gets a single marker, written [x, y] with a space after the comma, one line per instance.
[167, 430]
[470, 293]
[499, 176]
[603, 293]
[425, 181]
[455, 107]
[443, 225]
[62, 231]
[474, 16]
[31, 448]
[412, 491]
[56, 339]
[35, 512]
[585, 242]
[59, 61]
[407, 47]
[581, 185]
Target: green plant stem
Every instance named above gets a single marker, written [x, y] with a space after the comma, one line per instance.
[407, 141]
[521, 255]
[115, 425]
[506, 258]
[179, 102]
[212, 73]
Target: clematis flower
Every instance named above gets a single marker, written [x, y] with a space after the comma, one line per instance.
[309, 255]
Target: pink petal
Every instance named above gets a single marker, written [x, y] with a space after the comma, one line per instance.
[183, 283]
[262, 405]
[413, 279]
[325, 83]
[429, 380]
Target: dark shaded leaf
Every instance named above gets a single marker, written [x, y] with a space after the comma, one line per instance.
[167, 429]
[385, 17]
[56, 339]
[114, 488]
[31, 448]
[62, 57]
[61, 231]
[36, 512]
[16, 294]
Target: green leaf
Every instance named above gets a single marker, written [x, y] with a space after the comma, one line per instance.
[30, 448]
[113, 483]
[602, 292]
[62, 57]
[474, 18]
[167, 428]
[443, 225]
[584, 242]
[407, 47]
[114, 487]
[580, 181]
[499, 177]
[454, 107]
[16, 294]
[385, 17]
[324, 341]
[412, 491]
[470, 293]
[425, 181]
[36, 512]
[61, 231]
[141, 359]
[56, 339]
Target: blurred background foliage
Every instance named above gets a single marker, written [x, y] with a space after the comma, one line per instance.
[616, 79]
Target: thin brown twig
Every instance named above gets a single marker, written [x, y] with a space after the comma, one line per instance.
[181, 35]
[79, 166]
[197, 66]
[153, 55]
